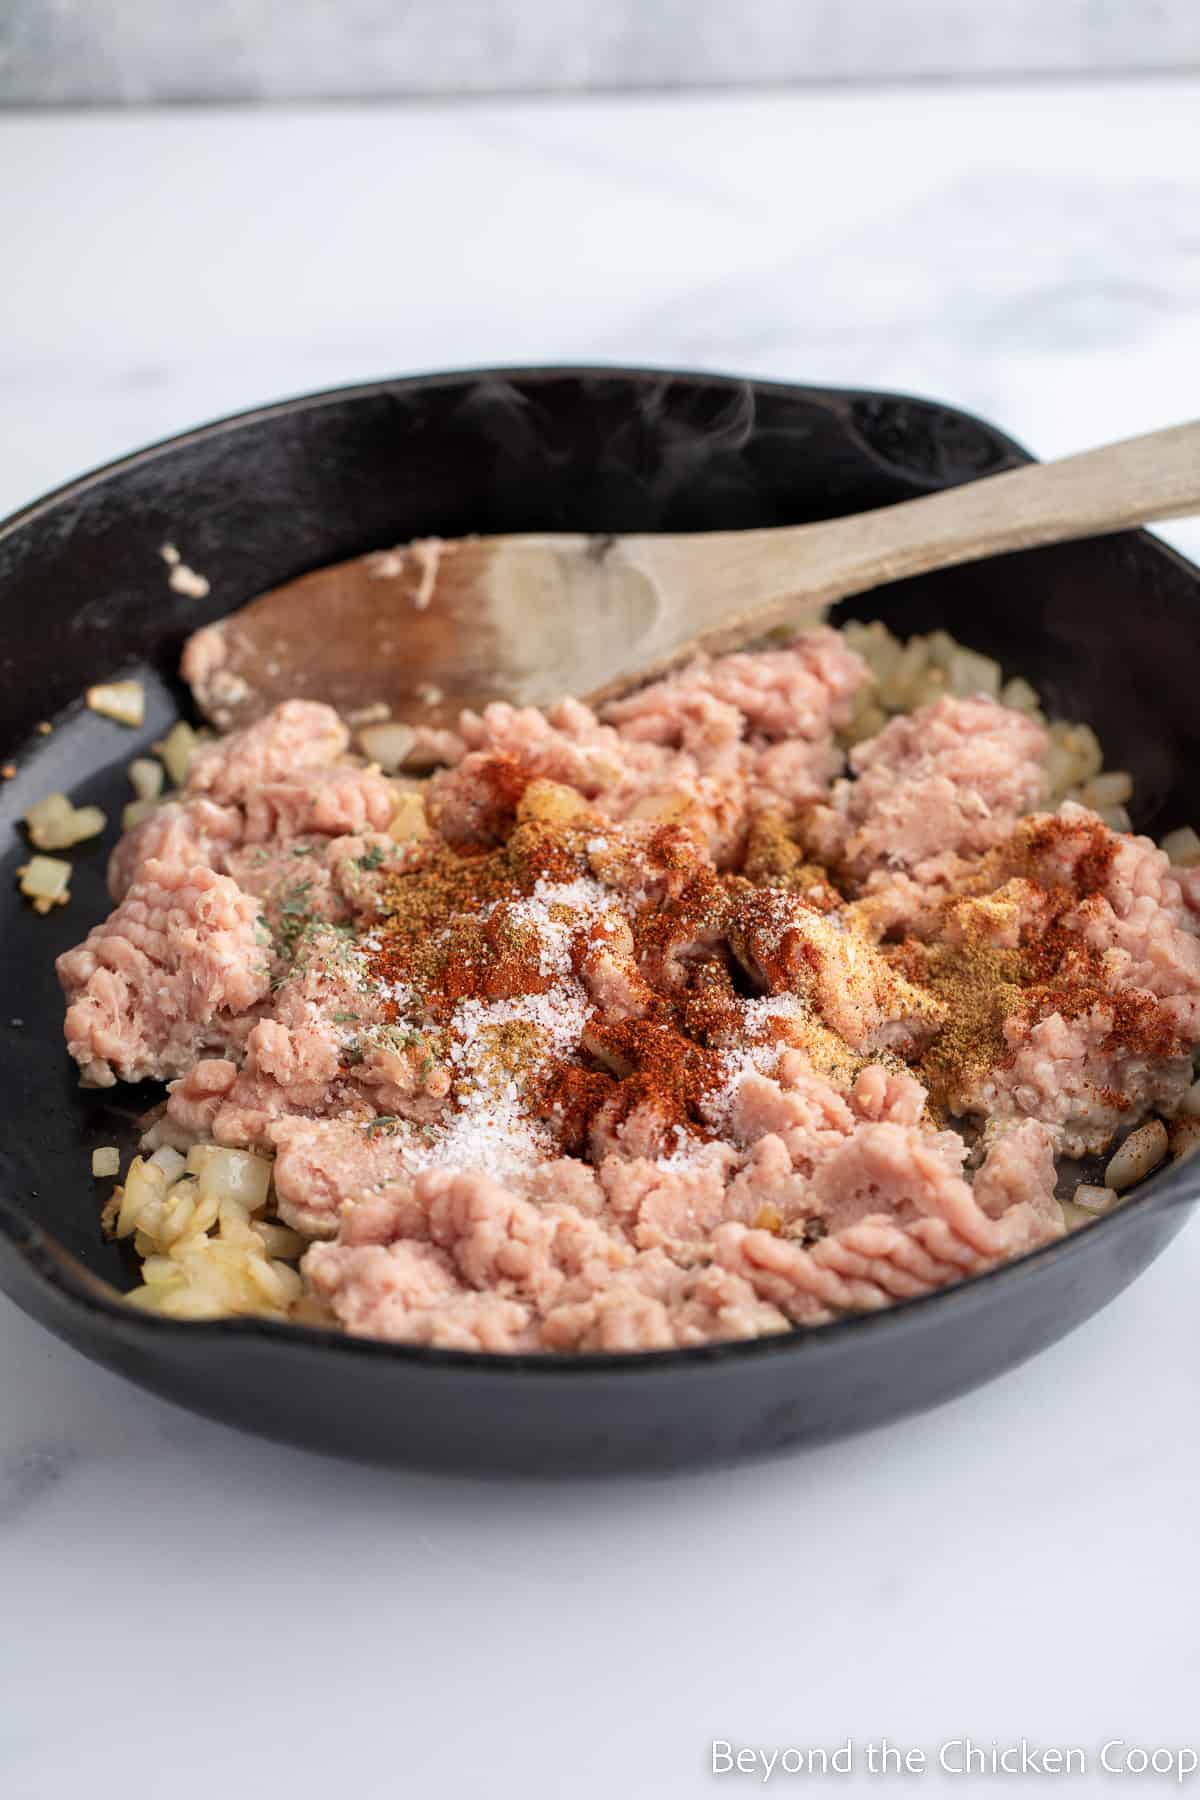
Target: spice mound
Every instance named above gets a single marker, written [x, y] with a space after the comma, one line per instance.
[685, 1023]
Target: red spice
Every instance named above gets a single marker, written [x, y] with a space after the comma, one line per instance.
[1089, 843]
[1066, 975]
[766, 938]
[569, 1098]
[649, 1064]
[688, 922]
[710, 1009]
[537, 851]
[694, 941]
[1054, 970]
[432, 942]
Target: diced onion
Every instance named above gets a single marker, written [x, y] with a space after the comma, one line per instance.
[144, 1191]
[868, 721]
[388, 745]
[146, 777]
[1189, 1106]
[54, 824]
[106, 1161]
[46, 880]
[875, 644]
[124, 701]
[170, 1162]
[969, 673]
[280, 1240]
[1113, 788]
[204, 1256]
[1184, 1137]
[661, 807]
[1095, 1199]
[239, 1175]
[137, 812]
[409, 822]
[1182, 846]
[1074, 757]
[177, 750]
[1020, 696]
[1141, 1152]
[1075, 1216]
[550, 802]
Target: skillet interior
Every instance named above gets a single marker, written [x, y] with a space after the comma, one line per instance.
[1103, 629]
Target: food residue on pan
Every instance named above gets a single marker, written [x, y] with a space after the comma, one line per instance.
[424, 555]
[182, 579]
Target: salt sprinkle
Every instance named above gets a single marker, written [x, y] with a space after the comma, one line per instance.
[487, 1129]
[584, 898]
[750, 1058]
[559, 1014]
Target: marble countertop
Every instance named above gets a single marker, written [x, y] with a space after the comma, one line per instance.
[205, 1613]
[136, 50]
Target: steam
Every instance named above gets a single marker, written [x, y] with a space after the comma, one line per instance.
[607, 452]
[596, 453]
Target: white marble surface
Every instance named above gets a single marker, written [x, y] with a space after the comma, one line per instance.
[1020, 1563]
[137, 50]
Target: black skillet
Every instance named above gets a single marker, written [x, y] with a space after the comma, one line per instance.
[1104, 628]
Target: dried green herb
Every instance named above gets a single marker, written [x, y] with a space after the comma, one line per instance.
[382, 1123]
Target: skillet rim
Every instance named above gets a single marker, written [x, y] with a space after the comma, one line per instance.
[59, 1271]
[62, 1273]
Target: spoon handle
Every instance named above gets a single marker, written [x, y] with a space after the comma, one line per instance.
[751, 579]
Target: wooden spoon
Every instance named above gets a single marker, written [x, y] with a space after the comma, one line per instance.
[425, 630]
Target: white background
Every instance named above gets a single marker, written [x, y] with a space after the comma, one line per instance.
[185, 1612]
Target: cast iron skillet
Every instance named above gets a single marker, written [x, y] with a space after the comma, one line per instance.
[1103, 628]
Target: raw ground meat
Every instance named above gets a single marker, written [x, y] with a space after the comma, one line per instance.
[1086, 1064]
[709, 745]
[299, 735]
[182, 833]
[165, 978]
[654, 1038]
[278, 780]
[949, 779]
[902, 1222]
